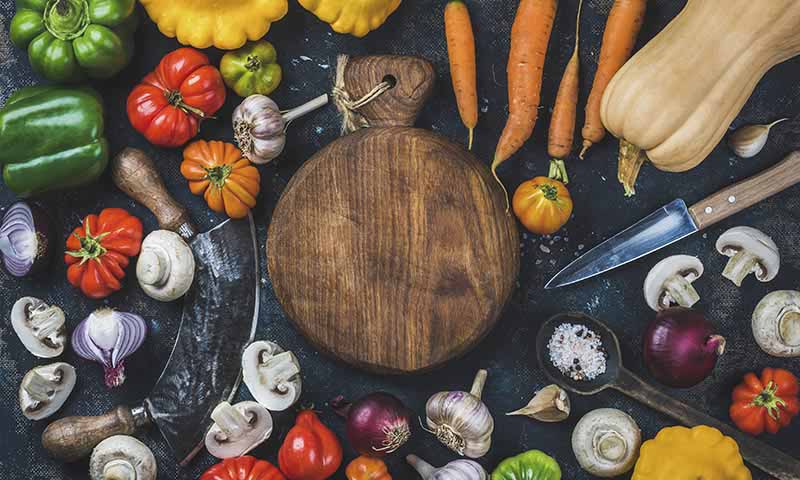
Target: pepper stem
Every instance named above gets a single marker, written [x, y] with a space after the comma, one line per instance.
[631, 159]
[479, 383]
[305, 108]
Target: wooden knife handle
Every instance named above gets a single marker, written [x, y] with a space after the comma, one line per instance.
[747, 193]
[135, 174]
[73, 438]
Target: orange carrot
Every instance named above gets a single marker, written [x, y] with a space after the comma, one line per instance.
[530, 35]
[562, 123]
[461, 50]
[619, 38]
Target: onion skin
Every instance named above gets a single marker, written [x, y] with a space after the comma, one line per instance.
[680, 347]
[22, 217]
[377, 424]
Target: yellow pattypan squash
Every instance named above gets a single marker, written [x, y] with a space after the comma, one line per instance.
[679, 453]
[225, 24]
[356, 17]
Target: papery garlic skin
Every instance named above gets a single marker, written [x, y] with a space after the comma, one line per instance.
[748, 141]
[259, 129]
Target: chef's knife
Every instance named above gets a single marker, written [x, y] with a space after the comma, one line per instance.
[676, 221]
[219, 319]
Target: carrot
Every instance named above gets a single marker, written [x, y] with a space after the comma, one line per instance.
[562, 123]
[530, 35]
[619, 38]
[461, 50]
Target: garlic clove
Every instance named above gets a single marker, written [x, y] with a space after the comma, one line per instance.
[748, 141]
[550, 404]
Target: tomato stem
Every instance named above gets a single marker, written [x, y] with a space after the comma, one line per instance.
[175, 99]
[91, 247]
[218, 175]
[253, 63]
[769, 400]
[550, 192]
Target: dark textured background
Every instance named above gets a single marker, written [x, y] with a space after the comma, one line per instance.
[308, 50]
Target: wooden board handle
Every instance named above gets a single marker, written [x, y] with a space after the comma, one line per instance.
[413, 79]
[73, 438]
[756, 452]
[135, 174]
[747, 193]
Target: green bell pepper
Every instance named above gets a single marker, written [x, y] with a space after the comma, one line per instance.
[51, 138]
[253, 69]
[531, 465]
[69, 40]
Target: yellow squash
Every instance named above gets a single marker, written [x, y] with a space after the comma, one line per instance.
[356, 17]
[675, 99]
[225, 24]
[679, 453]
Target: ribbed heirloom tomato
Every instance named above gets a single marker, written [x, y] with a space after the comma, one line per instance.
[243, 468]
[542, 205]
[169, 104]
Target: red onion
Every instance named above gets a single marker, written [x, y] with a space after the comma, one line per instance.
[377, 424]
[680, 347]
[24, 239]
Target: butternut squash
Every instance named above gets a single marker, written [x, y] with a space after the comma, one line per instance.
[675, 99]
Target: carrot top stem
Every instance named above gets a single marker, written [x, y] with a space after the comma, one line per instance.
[558, 170]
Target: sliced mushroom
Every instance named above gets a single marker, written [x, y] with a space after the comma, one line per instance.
[45, 389]
[165, 268]
[272, 375]
[751, 251]
[122, 458]
[776, 324]
[670, 282]
[39, 326]
[606, 442]
[238, 429]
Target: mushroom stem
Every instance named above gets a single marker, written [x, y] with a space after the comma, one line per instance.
[610, 445]
[278, 369]
[40, 388]
[422, 467]
[789, 327]
[45, 320]
[679, 290]
[119, 470]
[230, 420]
[479, 383]
[742, 264]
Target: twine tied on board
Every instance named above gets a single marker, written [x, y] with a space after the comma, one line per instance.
[352, 119]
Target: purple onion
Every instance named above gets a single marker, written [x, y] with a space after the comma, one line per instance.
[25, 239]
[680, 347]
[108, 337]
[377, 424]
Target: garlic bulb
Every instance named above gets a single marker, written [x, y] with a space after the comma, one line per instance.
[748, 141]
[606, 442]
[550, 404]
[259, 126]
[461, 421]
[455, 470]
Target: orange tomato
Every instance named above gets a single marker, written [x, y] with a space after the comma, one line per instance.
[367, 468]
[542, 205]
[219, 172]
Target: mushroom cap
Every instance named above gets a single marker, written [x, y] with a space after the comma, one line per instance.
[758, 243]
[57, 390]
[53, 344]
[687, 266]
[606, 425]
[275, 384]
[121, 458]
[255, 431]
[776, 323]
[165, 268]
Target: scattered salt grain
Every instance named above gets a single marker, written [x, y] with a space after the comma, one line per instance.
[544, 248]
[577, 352]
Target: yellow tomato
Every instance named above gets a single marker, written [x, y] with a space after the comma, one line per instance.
[542, 205]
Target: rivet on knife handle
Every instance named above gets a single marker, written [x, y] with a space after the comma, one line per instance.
[747, 193]
[73, 438]
[135, 174]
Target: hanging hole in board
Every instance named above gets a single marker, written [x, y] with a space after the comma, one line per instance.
[391, 80]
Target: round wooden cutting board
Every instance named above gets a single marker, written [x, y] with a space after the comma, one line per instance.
[391, 249]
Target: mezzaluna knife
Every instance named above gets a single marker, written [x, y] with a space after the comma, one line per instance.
[219, 319]
[676, 221]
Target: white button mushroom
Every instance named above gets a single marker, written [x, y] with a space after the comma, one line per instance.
[40, 327]
[776, 324]
[670, 282]
[606, 442]
[122, 458]
[238, 429]
[751, 251]
[272, 375]
[165, 268]
[45, 389]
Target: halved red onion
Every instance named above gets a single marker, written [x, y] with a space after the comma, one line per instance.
[25, 239]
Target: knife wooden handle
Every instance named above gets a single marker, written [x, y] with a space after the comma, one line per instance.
[135, 174]
[73, 438]
[747, 193]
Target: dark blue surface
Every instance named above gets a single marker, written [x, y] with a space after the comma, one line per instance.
[307, 50]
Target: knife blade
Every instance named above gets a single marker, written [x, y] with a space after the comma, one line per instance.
[219, 319]
[675, 221]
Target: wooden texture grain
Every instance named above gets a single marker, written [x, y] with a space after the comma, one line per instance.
[72, 438]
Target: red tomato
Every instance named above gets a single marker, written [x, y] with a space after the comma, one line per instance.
[243, 468]
[767, 403]
[310, 450]
[169, 104]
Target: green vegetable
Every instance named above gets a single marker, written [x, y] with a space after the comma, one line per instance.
[69, 40]
[51, 138]
[253, 69]
[531, 465]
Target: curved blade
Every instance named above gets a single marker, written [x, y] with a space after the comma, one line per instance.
[667, 225]
[219, 319]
